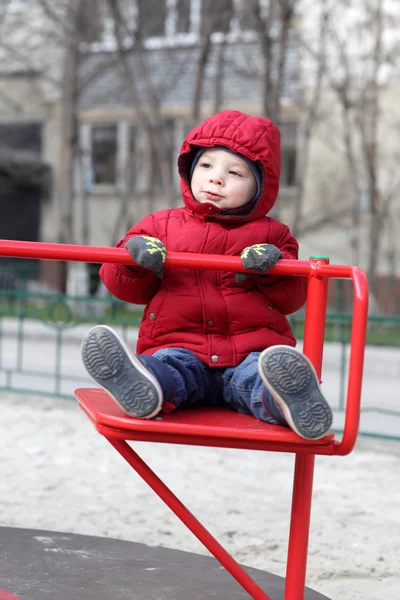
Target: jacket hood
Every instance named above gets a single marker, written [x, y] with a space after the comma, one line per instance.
[256, 138]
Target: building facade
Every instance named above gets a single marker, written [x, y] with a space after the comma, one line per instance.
[116, 177]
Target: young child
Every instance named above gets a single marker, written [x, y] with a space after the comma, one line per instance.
[213, 337]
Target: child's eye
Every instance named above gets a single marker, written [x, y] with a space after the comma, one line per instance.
[205, 165]
[235, 173]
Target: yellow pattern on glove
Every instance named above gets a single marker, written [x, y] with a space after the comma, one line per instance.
[258, 249]
[155, 245]
[148, 252]
[260, 258]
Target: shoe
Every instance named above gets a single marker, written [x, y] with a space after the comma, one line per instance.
[291, 379]
[122, 374]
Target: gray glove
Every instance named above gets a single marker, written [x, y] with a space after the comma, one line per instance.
[148, 252]
[260, 258]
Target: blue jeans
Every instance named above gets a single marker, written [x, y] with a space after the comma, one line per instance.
[196, 384]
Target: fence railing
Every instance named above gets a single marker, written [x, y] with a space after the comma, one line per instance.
[40, 338]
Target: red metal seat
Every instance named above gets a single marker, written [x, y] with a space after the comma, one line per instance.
[218, 427]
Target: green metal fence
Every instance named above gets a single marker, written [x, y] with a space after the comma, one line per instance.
[41, 333]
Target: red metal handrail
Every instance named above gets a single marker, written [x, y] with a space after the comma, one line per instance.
[103, 254]
[187, 260]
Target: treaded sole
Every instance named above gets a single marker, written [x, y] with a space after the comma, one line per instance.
[112, 366]
[291, 379]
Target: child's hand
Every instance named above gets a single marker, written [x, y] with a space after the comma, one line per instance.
[260, 258]
[148, 252]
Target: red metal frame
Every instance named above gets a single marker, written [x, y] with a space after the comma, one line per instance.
[218, 427]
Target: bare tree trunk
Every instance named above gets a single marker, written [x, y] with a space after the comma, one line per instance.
[369, 130]
[82, 199]
[156, 130]
[148, 167]
[199, 79]
[151, 118]
[219, 78]
[375, 236]
[122, 216]
[311, 117]
[208, 20]
[265, 39]
[354, 182]
[68, 139]
[212, 16]
[285, 22]
[391, 254]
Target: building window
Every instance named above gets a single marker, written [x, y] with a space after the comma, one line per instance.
[21, 136]
[247, 16]
[216, 20]
[288, 131]
[104, 154]
[182, 16]
[151, 18]
[168, 21]
[135, 159]
[122, 156]
[288, 167]
[145, 170]
[91, 23]
[168, 126]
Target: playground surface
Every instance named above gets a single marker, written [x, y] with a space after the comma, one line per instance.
[57, 473]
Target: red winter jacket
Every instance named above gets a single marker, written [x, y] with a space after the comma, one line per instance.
[207, 312]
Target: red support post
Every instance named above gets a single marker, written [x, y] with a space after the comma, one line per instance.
[314, 331]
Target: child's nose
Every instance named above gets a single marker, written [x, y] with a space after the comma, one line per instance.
[216, 180]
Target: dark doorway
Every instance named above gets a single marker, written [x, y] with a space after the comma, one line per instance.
[24, 184]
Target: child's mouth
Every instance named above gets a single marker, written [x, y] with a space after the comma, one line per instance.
[212, 196]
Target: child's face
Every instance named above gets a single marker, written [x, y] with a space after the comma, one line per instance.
[223, 179]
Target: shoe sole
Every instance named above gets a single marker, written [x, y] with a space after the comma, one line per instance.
[291, 379]
[112, 366]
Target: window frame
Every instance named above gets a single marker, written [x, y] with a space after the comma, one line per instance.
[123, 172]
[289, 128]
[173, 39]
[86, 143]
[287, 152]
[30, 132]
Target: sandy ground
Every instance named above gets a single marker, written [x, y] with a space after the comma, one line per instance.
[57, 473]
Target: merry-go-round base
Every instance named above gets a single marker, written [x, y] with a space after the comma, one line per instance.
[50, 565]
